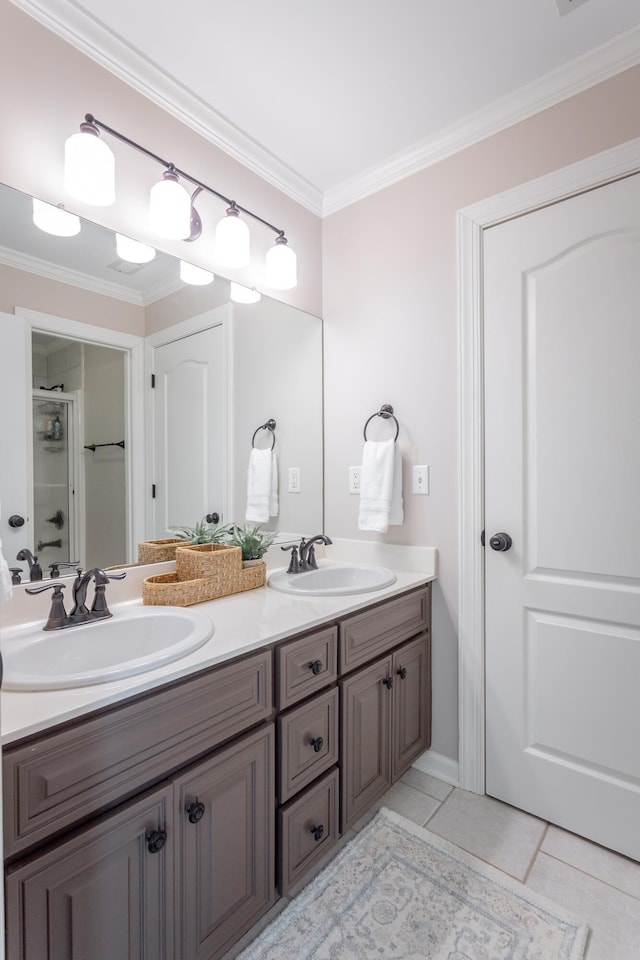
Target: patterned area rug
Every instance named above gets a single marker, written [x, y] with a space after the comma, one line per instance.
[398, 892]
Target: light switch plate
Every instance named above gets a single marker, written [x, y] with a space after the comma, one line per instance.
[421, 479]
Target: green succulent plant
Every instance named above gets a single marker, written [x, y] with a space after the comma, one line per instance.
[253, 541]
[203, 532]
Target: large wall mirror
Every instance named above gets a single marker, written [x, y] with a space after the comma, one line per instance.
[95, 458]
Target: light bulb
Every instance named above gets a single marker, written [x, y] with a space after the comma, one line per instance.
[89, 167]
[55, 220]
[280, 265]
[133, 251]
[241, 294]
[232, 240]
[196, 276]
[170, 208]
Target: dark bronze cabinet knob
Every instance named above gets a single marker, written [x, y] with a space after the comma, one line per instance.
[388, 682]
[195, 811]
[501, 542]
[316, 667]
[317, 743]
[318, 832]
[402, 673]
[156, 840]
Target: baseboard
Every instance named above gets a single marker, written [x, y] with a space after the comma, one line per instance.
[438, 766]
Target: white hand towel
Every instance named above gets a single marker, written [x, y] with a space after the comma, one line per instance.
[396, 511]
[259, 485]
[273, 499]
[5, 578]
[376, 485]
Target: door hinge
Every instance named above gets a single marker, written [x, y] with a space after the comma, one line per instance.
[153, 491]
[153, 380]
[482, 538]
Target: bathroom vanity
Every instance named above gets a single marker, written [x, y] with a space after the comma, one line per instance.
[163, 824]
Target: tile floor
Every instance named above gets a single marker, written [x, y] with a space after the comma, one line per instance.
[593, 882]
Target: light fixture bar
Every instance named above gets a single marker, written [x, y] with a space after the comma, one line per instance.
[89, 118]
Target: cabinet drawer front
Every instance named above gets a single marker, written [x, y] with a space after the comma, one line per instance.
[367, 635]
[305, 666]
[301, 846]
[307, 743]
[101, 893]
[62, 778]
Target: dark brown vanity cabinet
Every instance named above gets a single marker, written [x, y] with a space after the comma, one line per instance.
[386, 705]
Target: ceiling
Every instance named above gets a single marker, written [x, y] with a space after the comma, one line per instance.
[332, 100]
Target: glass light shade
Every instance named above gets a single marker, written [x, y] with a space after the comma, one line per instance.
[241, 294]
[54, 220]
[133, 251]
[196, 276]
[232, 241]
[89, 168]
[170, 208]
[281, 266]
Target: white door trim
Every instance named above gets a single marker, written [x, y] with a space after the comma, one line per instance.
[471, 222]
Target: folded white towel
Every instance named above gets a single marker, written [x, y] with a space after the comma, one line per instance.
[5, 577]
[381, 477]
[259, 485]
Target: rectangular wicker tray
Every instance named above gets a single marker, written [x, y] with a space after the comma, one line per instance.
[166, 589]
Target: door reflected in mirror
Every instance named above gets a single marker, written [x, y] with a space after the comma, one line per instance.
[95, 328]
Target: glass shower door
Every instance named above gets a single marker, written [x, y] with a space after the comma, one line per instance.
[53, 479]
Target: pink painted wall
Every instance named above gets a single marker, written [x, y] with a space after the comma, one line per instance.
[48, 86]
[389, 275]
[18, 288]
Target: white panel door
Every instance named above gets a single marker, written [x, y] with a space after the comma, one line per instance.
[15, 447]
[190, 429]
[562, 431]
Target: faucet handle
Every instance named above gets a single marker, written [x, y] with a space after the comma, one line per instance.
[57, 613]
[294, 563]
[55, 567]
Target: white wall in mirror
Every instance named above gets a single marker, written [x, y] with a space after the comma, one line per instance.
[273, 358]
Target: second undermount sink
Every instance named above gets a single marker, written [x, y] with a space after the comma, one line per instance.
[135, 640]
[333, 580]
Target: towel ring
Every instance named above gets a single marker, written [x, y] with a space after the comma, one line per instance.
[386, 412]
[269, 425]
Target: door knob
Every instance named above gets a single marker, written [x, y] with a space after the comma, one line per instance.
[501, 542]
[16, 521]
[213, 518]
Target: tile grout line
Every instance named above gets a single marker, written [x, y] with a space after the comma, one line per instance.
[592, 876]
[535, 853]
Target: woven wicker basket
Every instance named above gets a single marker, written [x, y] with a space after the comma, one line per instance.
[155, 551]
[166, 590]
[194, 561]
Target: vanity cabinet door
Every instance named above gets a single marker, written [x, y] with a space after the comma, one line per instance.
[365, 738]
[107, 892]
[226, 860]
[411, 725]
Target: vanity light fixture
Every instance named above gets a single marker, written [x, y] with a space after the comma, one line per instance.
[89, 167]
[133, 251]
[55, 220]
[196, 276]
[241, 294]
[172, 212]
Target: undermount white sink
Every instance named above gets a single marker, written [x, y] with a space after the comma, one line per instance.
[135, 640]
[333, 580]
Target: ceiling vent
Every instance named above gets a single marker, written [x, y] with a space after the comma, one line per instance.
[124, 266]
[566, 6]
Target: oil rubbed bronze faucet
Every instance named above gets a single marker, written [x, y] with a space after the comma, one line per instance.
[303, 557]
[58, 617]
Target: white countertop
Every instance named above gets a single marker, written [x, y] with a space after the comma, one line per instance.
[242, 623]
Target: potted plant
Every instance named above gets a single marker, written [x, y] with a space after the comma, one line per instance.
[253, 541]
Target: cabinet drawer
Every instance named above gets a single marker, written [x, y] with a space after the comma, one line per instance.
[305, 666]
[308, 828]
[57, 780]
[307, 743]
[367, 635]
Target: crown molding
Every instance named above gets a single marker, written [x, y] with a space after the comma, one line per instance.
[87, 34]
[52, 271]
[586, 71]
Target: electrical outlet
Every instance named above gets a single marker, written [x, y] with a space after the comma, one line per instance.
[354, 479]
[294, 479]
[421, 479]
